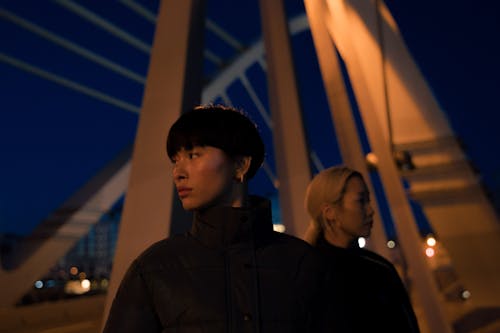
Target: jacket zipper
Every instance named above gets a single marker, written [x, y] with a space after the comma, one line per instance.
[256, 286]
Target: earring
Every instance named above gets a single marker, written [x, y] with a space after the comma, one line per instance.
[239, 178]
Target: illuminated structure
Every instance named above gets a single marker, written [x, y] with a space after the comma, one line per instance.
[385, 82]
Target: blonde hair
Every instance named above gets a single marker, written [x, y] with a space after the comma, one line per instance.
[328, 186]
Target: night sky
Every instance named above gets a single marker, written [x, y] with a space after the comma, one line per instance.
[53, 139]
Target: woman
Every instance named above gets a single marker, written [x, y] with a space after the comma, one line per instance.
[369, 294]
[231, 272]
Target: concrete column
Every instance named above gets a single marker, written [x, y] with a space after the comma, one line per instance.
[288, 133]
[361, 53]
[341, 111]
[173, 85]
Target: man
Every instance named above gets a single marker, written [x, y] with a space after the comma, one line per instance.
[231, 272]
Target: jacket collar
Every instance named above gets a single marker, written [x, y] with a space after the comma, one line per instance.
[324, 245]
[219, 227]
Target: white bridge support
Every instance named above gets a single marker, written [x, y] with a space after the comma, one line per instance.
[341, 111]
[55, 236]
[400, 114]
[288, 132]
[173, 85]
[355, 37]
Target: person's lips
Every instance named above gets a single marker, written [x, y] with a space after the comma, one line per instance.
[184, 191]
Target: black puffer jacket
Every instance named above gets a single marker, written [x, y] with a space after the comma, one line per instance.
[230, 273]
[367, 294]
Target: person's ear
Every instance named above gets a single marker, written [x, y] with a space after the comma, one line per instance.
[242, 166]
[328, 212]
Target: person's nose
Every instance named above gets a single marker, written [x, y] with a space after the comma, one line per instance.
[179, 171]
[369, 210]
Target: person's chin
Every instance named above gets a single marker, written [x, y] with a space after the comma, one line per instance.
[367, 233]
[187, 205]
[191, 205]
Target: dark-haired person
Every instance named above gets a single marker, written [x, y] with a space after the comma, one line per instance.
[231, 272]
[369, 295]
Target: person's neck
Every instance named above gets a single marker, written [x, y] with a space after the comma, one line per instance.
[240, 202]
[338, 240]
[240, 197]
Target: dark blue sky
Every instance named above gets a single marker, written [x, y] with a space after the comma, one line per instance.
[53, 139]
[456, 45]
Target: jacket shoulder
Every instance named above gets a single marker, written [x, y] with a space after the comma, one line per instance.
[375, 259]
[293, 249]
[292, 242]
[159, 254]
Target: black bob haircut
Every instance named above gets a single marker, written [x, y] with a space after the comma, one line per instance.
[221, 127]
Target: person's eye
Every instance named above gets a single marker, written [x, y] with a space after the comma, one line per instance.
[364, 200]
[193, 155]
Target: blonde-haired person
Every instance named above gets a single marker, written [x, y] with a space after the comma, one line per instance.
[367, 292]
